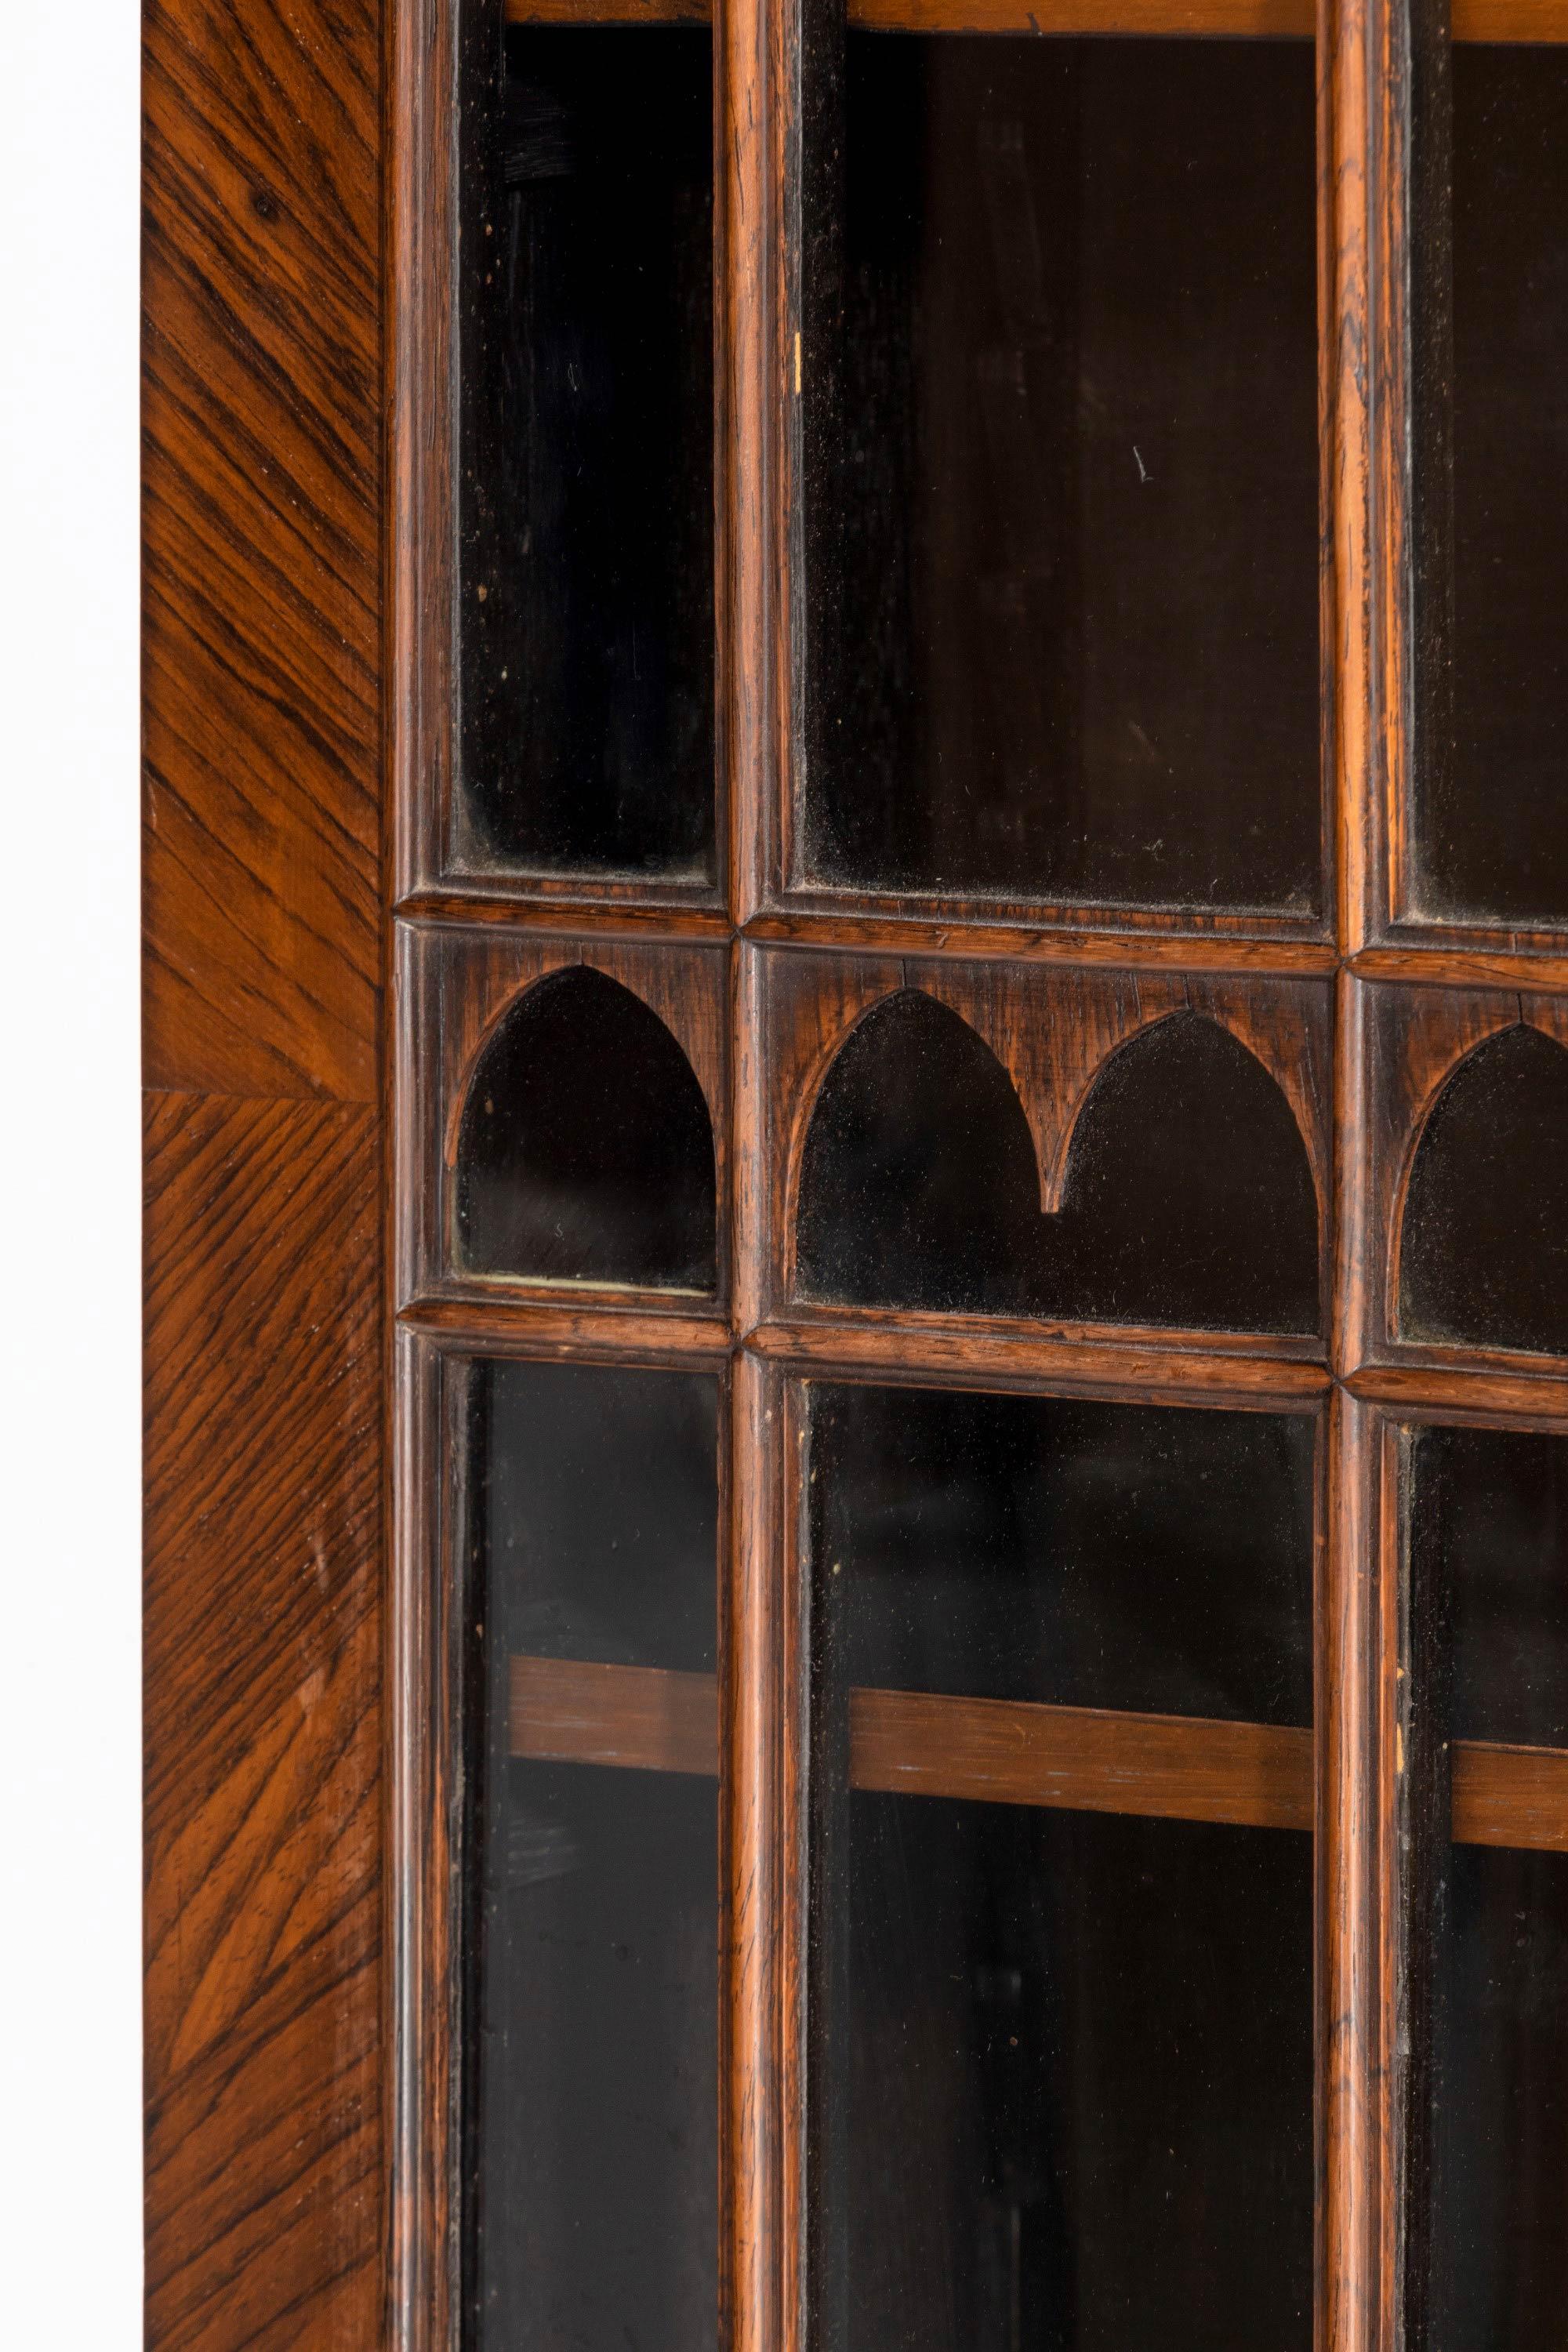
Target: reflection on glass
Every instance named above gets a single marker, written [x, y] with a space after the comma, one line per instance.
[1484, 1254]
[1062, 2060]
[1189, 1196]
[587, 571]
[1489, 1535]
[585, 1152]
[1492, 842]
[592, 2090]
[1061, 483]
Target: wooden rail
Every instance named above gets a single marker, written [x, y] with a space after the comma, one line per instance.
[1474, 20]
[1014, 1752]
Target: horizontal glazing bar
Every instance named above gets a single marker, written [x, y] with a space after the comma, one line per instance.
[1474, 20]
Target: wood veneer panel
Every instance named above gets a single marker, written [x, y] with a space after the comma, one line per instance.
[261, 358]
[262, 1694]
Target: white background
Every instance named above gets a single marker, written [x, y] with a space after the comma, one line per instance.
[70, 1570]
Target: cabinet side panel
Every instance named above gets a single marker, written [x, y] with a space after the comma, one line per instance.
[263, 1778]
[263, 956]
[260, 532]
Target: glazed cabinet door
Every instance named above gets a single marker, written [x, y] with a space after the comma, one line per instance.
[978, 1750]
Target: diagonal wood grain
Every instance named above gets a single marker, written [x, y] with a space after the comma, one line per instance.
[261, 360]
[262, 1668]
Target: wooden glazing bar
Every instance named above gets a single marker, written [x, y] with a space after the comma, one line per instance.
[1120, 939]
[1356, 1844]
[543, 1329]
[760, 2094]
[751, 82]
[652, 913]
[1467, 1394]
[1350, 161]
[1474, 20]
[1170, 1368]
[1443, 965]
[422, 1927]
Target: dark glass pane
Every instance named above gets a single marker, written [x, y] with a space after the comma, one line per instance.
[585, 1152]
[1484, 1257]
[1070, 2063]
[587, 507]
[1189, 1197]
[1062, 2061]
[1089, 1555]
[1490, 1511]
[1492, 830]
[598, 1511]
[592, 2087]
[1489, 1575]
[1060, 390]
[1500, 2249]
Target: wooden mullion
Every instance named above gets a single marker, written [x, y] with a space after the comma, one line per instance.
[1358, 1974]
[425, 1996]
[751, 58]
[760, 1845]
[1364, 81]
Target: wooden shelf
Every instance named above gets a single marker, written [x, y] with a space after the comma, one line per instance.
[1012, 1752]
[1474, 20]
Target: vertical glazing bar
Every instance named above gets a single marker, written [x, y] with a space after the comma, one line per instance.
[758, 1663]
[424, 2010]
[755, 44]
[1365, 48]
[749, 108]
[1357, 1842]
[1363, 64]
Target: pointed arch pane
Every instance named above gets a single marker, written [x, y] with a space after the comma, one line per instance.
[919, 1185]
[585, 1152]
[1484, 1255]
[1189, 1200]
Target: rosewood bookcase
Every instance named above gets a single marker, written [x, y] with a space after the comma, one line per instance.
[857, 984]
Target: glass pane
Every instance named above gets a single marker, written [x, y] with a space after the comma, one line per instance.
[1062, 2058]
[1493, 834]
[1061, 473]
[587, 509]
[592, 2094]
[1492, 1506]
[1484, 1259]
[1189, 1197]
[1489, 1533]
[1084, 1554]
[585, 1152]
